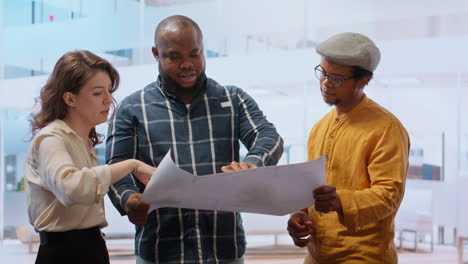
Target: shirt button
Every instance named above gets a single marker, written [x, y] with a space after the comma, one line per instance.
[337, 120]
[331, 136]
[326, 157]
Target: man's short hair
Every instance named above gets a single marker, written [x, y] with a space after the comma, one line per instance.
[177, 20]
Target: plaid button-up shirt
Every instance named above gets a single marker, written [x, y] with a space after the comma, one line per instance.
[203, 137]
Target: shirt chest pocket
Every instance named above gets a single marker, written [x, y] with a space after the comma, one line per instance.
[218, 120]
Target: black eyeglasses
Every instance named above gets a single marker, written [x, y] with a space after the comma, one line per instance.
[335, 81]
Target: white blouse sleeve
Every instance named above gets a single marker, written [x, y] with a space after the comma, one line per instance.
[59, 175]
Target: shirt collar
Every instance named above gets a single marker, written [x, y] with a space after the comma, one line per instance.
[160, 87]
[355, 111]
[62, 125]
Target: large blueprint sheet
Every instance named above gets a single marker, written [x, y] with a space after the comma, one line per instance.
[274, 190]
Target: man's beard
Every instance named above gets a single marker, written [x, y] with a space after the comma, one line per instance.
[173, 87]
[336, 102]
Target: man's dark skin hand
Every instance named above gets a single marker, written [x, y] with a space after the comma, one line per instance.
[299, 225]
[237, 166]
[327, 200]
[137, 211]
[299, 228]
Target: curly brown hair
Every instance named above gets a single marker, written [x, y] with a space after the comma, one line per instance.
[69, 75]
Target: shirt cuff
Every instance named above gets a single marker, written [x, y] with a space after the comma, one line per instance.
[255, 160]
[349, 218]
[125, 195]
[103, 176]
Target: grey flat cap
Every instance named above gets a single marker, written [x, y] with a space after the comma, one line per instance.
[351, 49]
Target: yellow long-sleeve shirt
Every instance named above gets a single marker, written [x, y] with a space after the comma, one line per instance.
[367, 160]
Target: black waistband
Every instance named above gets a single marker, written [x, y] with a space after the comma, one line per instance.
[76, 235]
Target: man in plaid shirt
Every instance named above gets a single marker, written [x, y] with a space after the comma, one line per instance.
[202, 122]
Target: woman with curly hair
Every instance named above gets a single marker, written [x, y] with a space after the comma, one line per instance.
[65, 185]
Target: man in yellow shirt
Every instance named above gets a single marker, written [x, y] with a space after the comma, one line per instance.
[366, 148]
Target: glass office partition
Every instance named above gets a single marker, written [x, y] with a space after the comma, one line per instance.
[462, 102]
[15, 137]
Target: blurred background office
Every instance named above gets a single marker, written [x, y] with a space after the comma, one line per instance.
[265, 47]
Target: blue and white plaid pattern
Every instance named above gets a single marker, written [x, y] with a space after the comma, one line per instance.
[203, 137]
